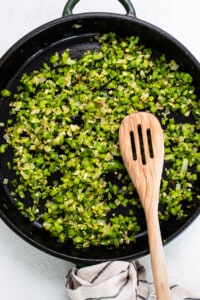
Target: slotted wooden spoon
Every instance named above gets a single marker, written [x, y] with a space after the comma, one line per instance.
[142, 148]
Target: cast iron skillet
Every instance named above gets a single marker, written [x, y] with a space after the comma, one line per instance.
[76, 32]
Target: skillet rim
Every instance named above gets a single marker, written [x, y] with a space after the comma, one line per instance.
[78, 18]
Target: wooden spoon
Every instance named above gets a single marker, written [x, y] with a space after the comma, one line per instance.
[142, 148]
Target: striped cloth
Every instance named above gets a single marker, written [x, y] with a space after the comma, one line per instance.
[115, 280]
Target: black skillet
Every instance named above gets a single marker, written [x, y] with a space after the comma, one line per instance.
[76, 32]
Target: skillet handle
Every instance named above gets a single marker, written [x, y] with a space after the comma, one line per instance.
[69, 6]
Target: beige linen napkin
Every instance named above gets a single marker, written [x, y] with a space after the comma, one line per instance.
[115, 280]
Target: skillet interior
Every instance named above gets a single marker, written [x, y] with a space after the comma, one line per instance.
[75, 32]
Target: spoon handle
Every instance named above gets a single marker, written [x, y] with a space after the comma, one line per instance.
[158, 259]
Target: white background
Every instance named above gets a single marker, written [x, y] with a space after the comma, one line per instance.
[28, 273]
